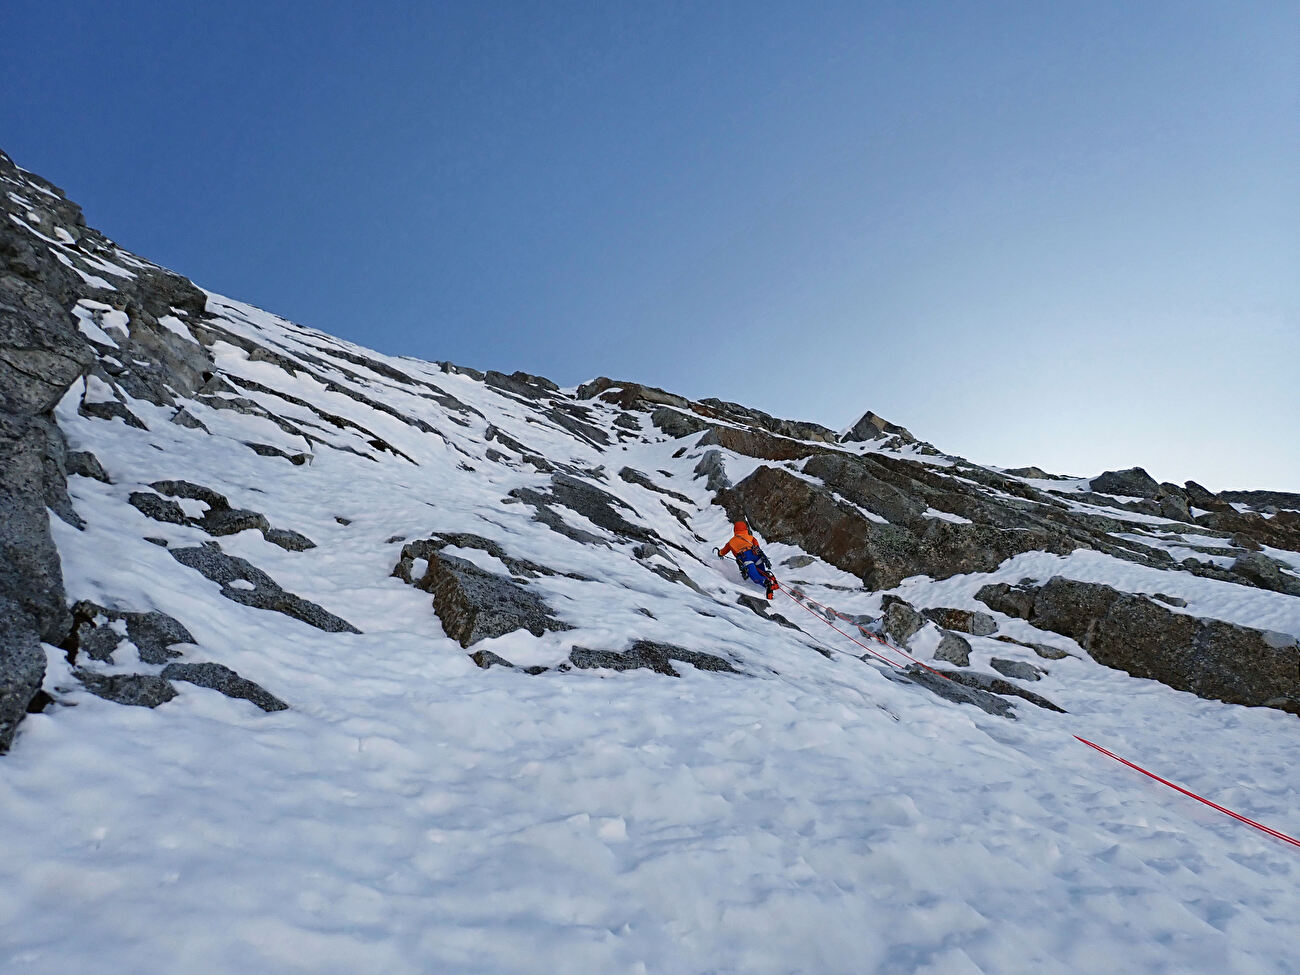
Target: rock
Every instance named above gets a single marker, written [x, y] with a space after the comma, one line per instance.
[153, 633]
[475, 605]
[953, 649]
[996, 685]
[799, 561]
[137, 690]
[952, 689]
[872, 427]
[757, 443]
[1210, 658]
[486, 659]
[185, 418]
[900, 621]
[595, 504]
[219, 522]
[1044, 650]
[289, 540]
[714, 469]
[676, 423]
[158, 508]
[1015, 601]
[22, 668]
[762, 607]
[647, 654]
[643, 480]
[1016, 669]
[226, 570]
[85, 464]
[963, 620]
[1267, 573]
[1171, 600]
[1131, 483]
[223, 679]
[1246, 542]
[630, 396]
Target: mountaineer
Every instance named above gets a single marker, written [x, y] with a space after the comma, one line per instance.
[754, 565]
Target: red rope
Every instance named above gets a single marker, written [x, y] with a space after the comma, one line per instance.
[802, 595]
[878, 656]
[1213, 805]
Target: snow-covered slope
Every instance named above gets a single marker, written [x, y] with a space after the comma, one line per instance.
[443, 676]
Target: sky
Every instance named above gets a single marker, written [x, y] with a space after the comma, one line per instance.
[1062, 234]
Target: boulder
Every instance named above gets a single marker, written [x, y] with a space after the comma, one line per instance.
[1267, 573]
[677, 424]
[137, 690]
[900, 621]
[226, 681]
[93, 634]
[1017, 669]
[1016, 601]
[474, 604]
[953, 649]
[963, 620]
[1131, 483]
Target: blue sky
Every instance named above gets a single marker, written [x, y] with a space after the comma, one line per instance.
[1064, 234]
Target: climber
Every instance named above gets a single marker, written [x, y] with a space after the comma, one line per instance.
[754, 565]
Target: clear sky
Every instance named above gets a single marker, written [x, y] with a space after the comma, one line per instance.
[1064, 234]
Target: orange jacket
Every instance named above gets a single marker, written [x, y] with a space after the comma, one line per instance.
[742, 541]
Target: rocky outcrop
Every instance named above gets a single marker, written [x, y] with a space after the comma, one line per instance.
[224, 680]
[93, 634]
[41, 356]
[800, 512]
[963, 620]
[472, 603]
[218, 519]
[648, 655]
[872, 427]
[1210, 658]
[242, 582]
[1267, 573]
[1131, 483]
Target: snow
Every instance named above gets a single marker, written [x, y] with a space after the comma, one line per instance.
[947, 516]
[411, 813]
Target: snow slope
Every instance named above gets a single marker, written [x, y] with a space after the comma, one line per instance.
[413, 813]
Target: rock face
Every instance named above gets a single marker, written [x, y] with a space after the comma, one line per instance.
[41, 356]
[1210, 658]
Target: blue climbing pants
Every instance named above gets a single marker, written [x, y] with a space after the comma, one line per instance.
[749, 564]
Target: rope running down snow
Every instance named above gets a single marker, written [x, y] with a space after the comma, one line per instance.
[797, 597]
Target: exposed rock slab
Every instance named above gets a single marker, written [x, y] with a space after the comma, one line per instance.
[265, 592]
[1210, 658]
[647, 654]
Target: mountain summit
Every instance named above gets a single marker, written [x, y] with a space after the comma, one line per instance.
[316, 659]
